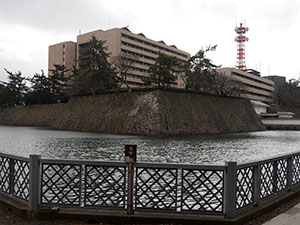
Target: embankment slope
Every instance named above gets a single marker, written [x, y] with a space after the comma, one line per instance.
[142, 113]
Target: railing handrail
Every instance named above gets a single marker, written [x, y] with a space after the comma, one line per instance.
[179, 166]
[159, 164]
[139, 164]
[14, 157]
[82, 162]
[267, 159]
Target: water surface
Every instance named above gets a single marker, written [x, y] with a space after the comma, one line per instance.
[208, 149]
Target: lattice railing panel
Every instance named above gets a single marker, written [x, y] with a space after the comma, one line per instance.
[282, 175]
[21, 179]
[202, 190]
[266, 177]
[244, 195]
[156, 188]
[296, 169]
[4, 174]
[105, 186]
[61, 184]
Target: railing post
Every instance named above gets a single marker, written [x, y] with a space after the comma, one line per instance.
[130, 157]
[11, 176]
[230, 190]
[256, 184]
[290, 172]
[130, 189]
[34, 182]
[275, 176]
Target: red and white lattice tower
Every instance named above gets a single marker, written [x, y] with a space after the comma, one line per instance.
[241, 39]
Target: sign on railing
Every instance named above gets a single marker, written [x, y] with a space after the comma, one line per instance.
[130, 153]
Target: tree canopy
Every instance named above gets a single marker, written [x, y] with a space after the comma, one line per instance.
[17, 86]
[201, 75]
[288, 94]
[58, 79]
[200, 72]
[164, 72]
[95, 73]
[40, 90]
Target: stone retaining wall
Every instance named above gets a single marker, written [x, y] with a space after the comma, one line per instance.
[140, 113]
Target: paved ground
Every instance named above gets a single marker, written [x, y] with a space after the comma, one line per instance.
[286, 214]
[289, 217]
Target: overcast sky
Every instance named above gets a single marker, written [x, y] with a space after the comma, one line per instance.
[28, 27]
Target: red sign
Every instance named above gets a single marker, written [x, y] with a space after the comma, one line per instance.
[130, 153]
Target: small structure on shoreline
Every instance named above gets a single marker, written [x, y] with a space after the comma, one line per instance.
[260, 107]
[279, 115]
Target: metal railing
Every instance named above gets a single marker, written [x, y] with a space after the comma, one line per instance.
[178, 188]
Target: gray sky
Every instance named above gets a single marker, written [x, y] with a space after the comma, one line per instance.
[28, 27]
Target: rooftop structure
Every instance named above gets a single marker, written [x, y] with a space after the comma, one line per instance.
[255, 87]
[241, 39]
[278, 80]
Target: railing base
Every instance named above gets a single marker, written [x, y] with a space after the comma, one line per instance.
[121, 217]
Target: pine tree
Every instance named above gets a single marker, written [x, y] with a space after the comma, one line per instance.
[17, 85]
[95, 71]
[164, 71]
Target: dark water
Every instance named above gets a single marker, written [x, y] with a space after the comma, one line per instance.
[210, 149]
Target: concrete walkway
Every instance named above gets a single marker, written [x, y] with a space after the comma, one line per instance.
[280, 122]
[289, 217]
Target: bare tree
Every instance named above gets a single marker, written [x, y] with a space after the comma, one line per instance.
[123, 63]
[227, 86]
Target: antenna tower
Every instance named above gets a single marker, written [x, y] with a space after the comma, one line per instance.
[241, 39]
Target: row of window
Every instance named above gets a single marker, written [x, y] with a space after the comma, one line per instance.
[137, 76]
[258, 88]
[143, 49]
[135, 83]
[252, 79]
[139, 69]
[138, 55]
[142, 78]
[132, 68]
[143, 63]
[138, 47]
[256, 94]
[152, 45]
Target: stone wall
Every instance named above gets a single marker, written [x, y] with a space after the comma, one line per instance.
[142, 113]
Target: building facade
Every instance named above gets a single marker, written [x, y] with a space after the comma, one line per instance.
[62, 54]
[255, 87]
[279, 81]
[122, 40]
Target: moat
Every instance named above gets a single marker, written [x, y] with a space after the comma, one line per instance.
[208, 149]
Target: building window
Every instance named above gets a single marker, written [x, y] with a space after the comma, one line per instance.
[250, 78]
[153, 45]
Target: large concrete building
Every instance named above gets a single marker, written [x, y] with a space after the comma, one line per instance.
[121, 40]
[255, 87]
[62, 54]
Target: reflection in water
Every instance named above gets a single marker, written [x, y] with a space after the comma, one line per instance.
[208, 149]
